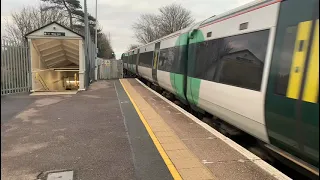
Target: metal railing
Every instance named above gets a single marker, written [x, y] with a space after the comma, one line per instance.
[15, 68]
[42, 82]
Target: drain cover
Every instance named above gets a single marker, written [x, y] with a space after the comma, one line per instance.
[66, 175]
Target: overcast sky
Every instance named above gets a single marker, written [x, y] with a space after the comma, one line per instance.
[117, 16]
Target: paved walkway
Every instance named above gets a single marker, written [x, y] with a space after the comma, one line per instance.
[12, 105]
[117, 130]
[86, 133]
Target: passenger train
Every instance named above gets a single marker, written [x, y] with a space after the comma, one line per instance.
[255, 67]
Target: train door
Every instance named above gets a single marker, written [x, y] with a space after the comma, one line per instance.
[128, 61]
[155, 62]
[292, 109]
[137, 61]
[134, 61]
[131, 61]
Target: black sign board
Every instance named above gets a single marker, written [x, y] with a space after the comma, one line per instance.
[54, 34]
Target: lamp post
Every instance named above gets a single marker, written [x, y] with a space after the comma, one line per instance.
[86, 36]
[96, 45]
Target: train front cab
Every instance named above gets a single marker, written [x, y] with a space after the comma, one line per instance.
[124, 58]
[292, 98]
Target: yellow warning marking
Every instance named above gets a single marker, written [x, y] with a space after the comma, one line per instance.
[299, 56]
[165, 157]
[311, 90]
[155, 60]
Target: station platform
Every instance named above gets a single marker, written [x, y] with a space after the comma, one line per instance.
[118, 129]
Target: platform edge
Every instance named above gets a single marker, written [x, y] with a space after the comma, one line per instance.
[174, 172]
[252, 157]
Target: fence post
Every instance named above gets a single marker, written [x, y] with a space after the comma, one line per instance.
[25, 72]
[2, 68]
[15, 48]
[6, 66]
[19, 69]
[29, 69]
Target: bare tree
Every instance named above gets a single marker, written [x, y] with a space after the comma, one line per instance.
[29, 19]
[48, 16]
[147, 28]
[74, 13]
[69, 6]
[172, 18]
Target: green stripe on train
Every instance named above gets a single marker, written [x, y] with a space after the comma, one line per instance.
[193, 90]
[193, 84]
[177, 80]
[177, 84]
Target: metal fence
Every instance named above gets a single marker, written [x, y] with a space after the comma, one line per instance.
[15, 68]
[110, 69]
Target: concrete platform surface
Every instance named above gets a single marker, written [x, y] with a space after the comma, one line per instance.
[11, 105]
[115, 130]
[194, 151]
[97, 134]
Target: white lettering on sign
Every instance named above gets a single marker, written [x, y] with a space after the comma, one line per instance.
[54, 34]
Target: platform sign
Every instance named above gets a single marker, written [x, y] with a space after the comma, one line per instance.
[54, 34]
[107, 62]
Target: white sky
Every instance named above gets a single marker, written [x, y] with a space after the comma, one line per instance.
[117, 16]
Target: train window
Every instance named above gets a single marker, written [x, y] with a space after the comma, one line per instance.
[285, 41]
[285, 60]
[124, 58]
[207, 55]
[134, 59]
[170, 59]
[167, 58]
[177, 66]
[142, 59]
[145, 59]
[236, 60]
[129, 59]
[301, 43]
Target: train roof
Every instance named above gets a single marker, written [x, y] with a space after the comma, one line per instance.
[239, 10]
[165, 37]
[229, 14]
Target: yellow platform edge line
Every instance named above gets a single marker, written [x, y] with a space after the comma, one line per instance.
[174, 172]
